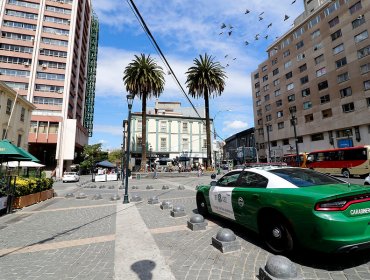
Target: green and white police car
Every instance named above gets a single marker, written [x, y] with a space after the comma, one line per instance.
[291, 206]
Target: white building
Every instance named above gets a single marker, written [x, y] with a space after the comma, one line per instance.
[173, 133]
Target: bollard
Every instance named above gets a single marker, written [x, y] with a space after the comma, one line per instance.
[181, 187]
[153, 200]
[97, 197]
[197, 222]
[225, 241]
[136, 198]
[279, 267]
[178, 211]
[166, 205]
[69, 195]
[81, 196]
[115, 197]
[149, 187]
[165, 187]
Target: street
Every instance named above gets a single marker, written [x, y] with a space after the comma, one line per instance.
[89, 238]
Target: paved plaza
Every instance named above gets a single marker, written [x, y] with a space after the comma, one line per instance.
[84, 237]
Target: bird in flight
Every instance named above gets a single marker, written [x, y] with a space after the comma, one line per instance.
[293, 2]
[246, 43]
[226, 55]
[229, 33]
[247, 11]
[260, 18]
[256, 37]
[261, 13]
[286, 17]
[223, 25]
[266, 36]
[234, 58]
[268, 26]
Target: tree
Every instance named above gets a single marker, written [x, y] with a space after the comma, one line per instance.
[145, 79]
[115, 156]
[92, 154]
[206, 79]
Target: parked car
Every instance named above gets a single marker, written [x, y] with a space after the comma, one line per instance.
[367, 180]
[70, 177]
[288, 206]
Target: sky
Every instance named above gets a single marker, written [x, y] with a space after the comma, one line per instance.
[184, 30]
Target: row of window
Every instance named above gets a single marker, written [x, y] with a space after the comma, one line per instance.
[44, 127]
[37, 6]
[163, 144]
[9, 107]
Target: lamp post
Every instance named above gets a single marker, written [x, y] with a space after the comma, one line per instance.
[150, 157]
[130, 100]
[124, 123]
[268, 141]
[294, 123]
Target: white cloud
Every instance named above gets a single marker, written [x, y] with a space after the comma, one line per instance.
[234, 126]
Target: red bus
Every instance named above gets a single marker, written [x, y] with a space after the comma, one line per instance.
[291, 159]
[346, 161]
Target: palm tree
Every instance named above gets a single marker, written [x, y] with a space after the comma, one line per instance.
[145, 79]
[206, 79]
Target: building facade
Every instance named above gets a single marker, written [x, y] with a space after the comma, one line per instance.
[314, 88]
[48, 55]
[240, 147]
[174, 133]
[15, 116]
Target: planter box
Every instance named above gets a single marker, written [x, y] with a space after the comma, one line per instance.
[27, 200]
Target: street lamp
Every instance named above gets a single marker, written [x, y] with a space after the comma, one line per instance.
[150, 157]
[124, 124]
[130, 100]
[293, 121]
[268, 141]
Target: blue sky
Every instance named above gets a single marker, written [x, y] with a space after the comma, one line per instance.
[184, 30]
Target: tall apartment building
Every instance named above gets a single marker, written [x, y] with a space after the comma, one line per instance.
[173, 132]
[317, 76]
[48, 52]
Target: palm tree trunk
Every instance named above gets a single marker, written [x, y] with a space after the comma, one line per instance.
[208, 130]
[143, 133]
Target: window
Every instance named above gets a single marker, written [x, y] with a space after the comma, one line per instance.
[264, 68]
[259, 112]
[289, 75]
[342, 77]
[325, 99]
[256, 76]
[268, 118]
[276, 82]
[321, 72]
[19, 140]
[259, 122]
[277, 92]
[257, 85]
[275, 71]
[23, 112]
[317, 137]
[367, 85]
[290, 86]
[286, 53]
[298, 32]
[163, 144]
[274, 61]
[326, 113]
[300, 56]
[307, 105]
[269, 127]
[139, 125]
[299, 45]
[229, 179]
[258, 103]
[345, 92]
[291, 98]
[349, 107]
[163, 126]
[358, 21]
[332, 8]
[265, 78]
[365, 68]
[280, 125]
[341, 62]
[285, 43]
[8, 106]
[317, 47]
[258, 93]
[336, 35]
[314, 21]
[362, 36]
[292, 109]
[322, 85]
[315, 34]
[356, 7]
[266, 88]
[306, 92]
[368, 105]
[279, 114]
[303, 68]
[304, 80]
[287, 64]
[285, 142]
[260, 131]
[338, 49]
[363, 52]
[308, 118]
[184, 127]
[268, 107]
[33, 127]
[267, 97]
[185, 144]
[279, 103]
[333, 22]
[319, 59]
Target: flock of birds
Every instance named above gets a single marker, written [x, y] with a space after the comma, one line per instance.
[228, 29]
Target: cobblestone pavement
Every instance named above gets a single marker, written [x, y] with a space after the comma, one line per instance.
[77, 238]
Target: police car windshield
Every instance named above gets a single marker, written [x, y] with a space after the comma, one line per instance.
[305, 177]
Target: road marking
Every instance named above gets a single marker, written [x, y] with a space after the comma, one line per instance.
[56, 245]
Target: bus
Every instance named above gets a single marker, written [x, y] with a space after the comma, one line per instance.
[346, 161]
[291, 159]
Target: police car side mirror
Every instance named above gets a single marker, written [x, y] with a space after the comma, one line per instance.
[213, 176]
[213, 183]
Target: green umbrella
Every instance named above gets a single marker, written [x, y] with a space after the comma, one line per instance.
[10, 152]
[33, 158]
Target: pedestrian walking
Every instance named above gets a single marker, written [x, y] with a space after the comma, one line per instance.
[155, 175]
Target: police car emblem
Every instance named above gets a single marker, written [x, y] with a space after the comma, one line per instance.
[240, 201]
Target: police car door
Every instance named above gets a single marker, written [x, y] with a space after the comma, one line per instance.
[221, 194]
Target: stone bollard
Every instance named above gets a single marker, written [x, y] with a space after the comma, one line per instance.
[181, 187]
[166, 205]
[93, 186]
[81, 196]
[69, 195]
[135, 187]
[97, 197]
[197, 222]
[279, 267]
[149, 187]
[178, 211]
[111, 187]
[165, 187]
[136, 198]
[153, 200]
[225, 241]
[101, 187]
[115, 197]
